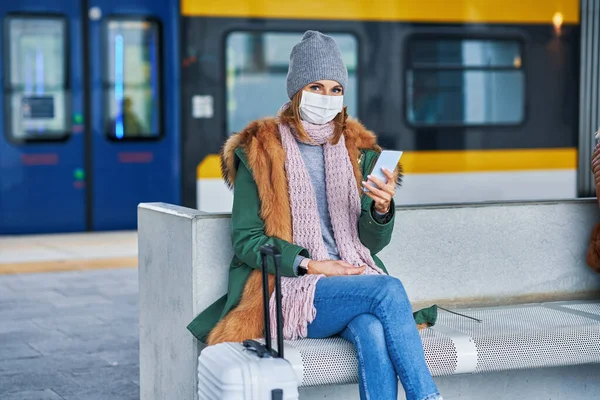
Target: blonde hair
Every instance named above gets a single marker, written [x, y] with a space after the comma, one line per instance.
[291, 117]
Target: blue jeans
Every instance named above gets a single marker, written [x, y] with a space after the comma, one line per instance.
[373, 313]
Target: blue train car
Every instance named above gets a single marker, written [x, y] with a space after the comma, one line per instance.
[90, 116]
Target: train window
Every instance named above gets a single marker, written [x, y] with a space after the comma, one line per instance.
[36, 84]
[133, 75]
[454, 82]
[257, 65]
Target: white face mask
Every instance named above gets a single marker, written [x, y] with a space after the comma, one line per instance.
[320, 109]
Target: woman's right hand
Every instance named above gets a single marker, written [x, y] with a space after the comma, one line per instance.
[333, 268]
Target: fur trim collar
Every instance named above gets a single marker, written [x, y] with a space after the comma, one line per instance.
[263, 135]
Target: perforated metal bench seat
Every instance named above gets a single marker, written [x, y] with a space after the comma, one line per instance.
[512, 337]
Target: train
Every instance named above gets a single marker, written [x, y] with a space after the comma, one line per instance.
[110, 103]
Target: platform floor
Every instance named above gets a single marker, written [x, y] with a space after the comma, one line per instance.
[68, 252]
[69, 317]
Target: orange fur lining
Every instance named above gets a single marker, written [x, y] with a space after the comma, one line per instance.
[261, 142]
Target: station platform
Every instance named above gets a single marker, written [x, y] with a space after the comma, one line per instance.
[68, 252]
[69, 317]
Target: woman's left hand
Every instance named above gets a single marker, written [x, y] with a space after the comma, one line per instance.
[381, 193]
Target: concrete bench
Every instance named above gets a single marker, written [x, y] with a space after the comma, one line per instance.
[517, 267]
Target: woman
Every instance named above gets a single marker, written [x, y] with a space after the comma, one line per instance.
[298, 182]
[593, 254]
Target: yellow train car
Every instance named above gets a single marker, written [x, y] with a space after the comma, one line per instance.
[487, 98]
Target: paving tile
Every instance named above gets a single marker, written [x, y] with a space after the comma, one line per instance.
[69, 291]
[16, 351]
[118, 328]
[94, 310]
[124, 298]
[36, 381]
[18, 326]
[80, 301]
[61, 362]
[7, 280]
[30, 336]
[86, 346]
[107, 373]
[6, 291]
[45, 394]
[97, 314]
[23, 304]
[115, 287]
[124, 315]
[61, 279]
[65, 320]
[37, 310]
[25, 297]
[119, 390]
[92, 384]
[128, 356]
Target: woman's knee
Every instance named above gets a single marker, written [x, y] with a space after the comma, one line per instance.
[393, 286]
[392, 296]
[368, 331]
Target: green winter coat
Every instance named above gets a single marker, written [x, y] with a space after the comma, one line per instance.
[246, 222]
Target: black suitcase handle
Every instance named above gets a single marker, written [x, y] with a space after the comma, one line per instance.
[261, 350]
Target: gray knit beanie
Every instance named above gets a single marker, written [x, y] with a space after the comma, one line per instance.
[315, 58]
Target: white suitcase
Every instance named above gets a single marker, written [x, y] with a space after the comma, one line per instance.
[250, 371]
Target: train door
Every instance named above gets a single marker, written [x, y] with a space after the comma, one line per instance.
[42, 157]
[89, 114]
[133, 65]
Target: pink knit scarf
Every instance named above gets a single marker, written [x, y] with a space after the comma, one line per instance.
[344, 209]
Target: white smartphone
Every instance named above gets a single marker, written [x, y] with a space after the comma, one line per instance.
[387, 159]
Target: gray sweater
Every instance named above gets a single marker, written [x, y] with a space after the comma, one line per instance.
[315, 165]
